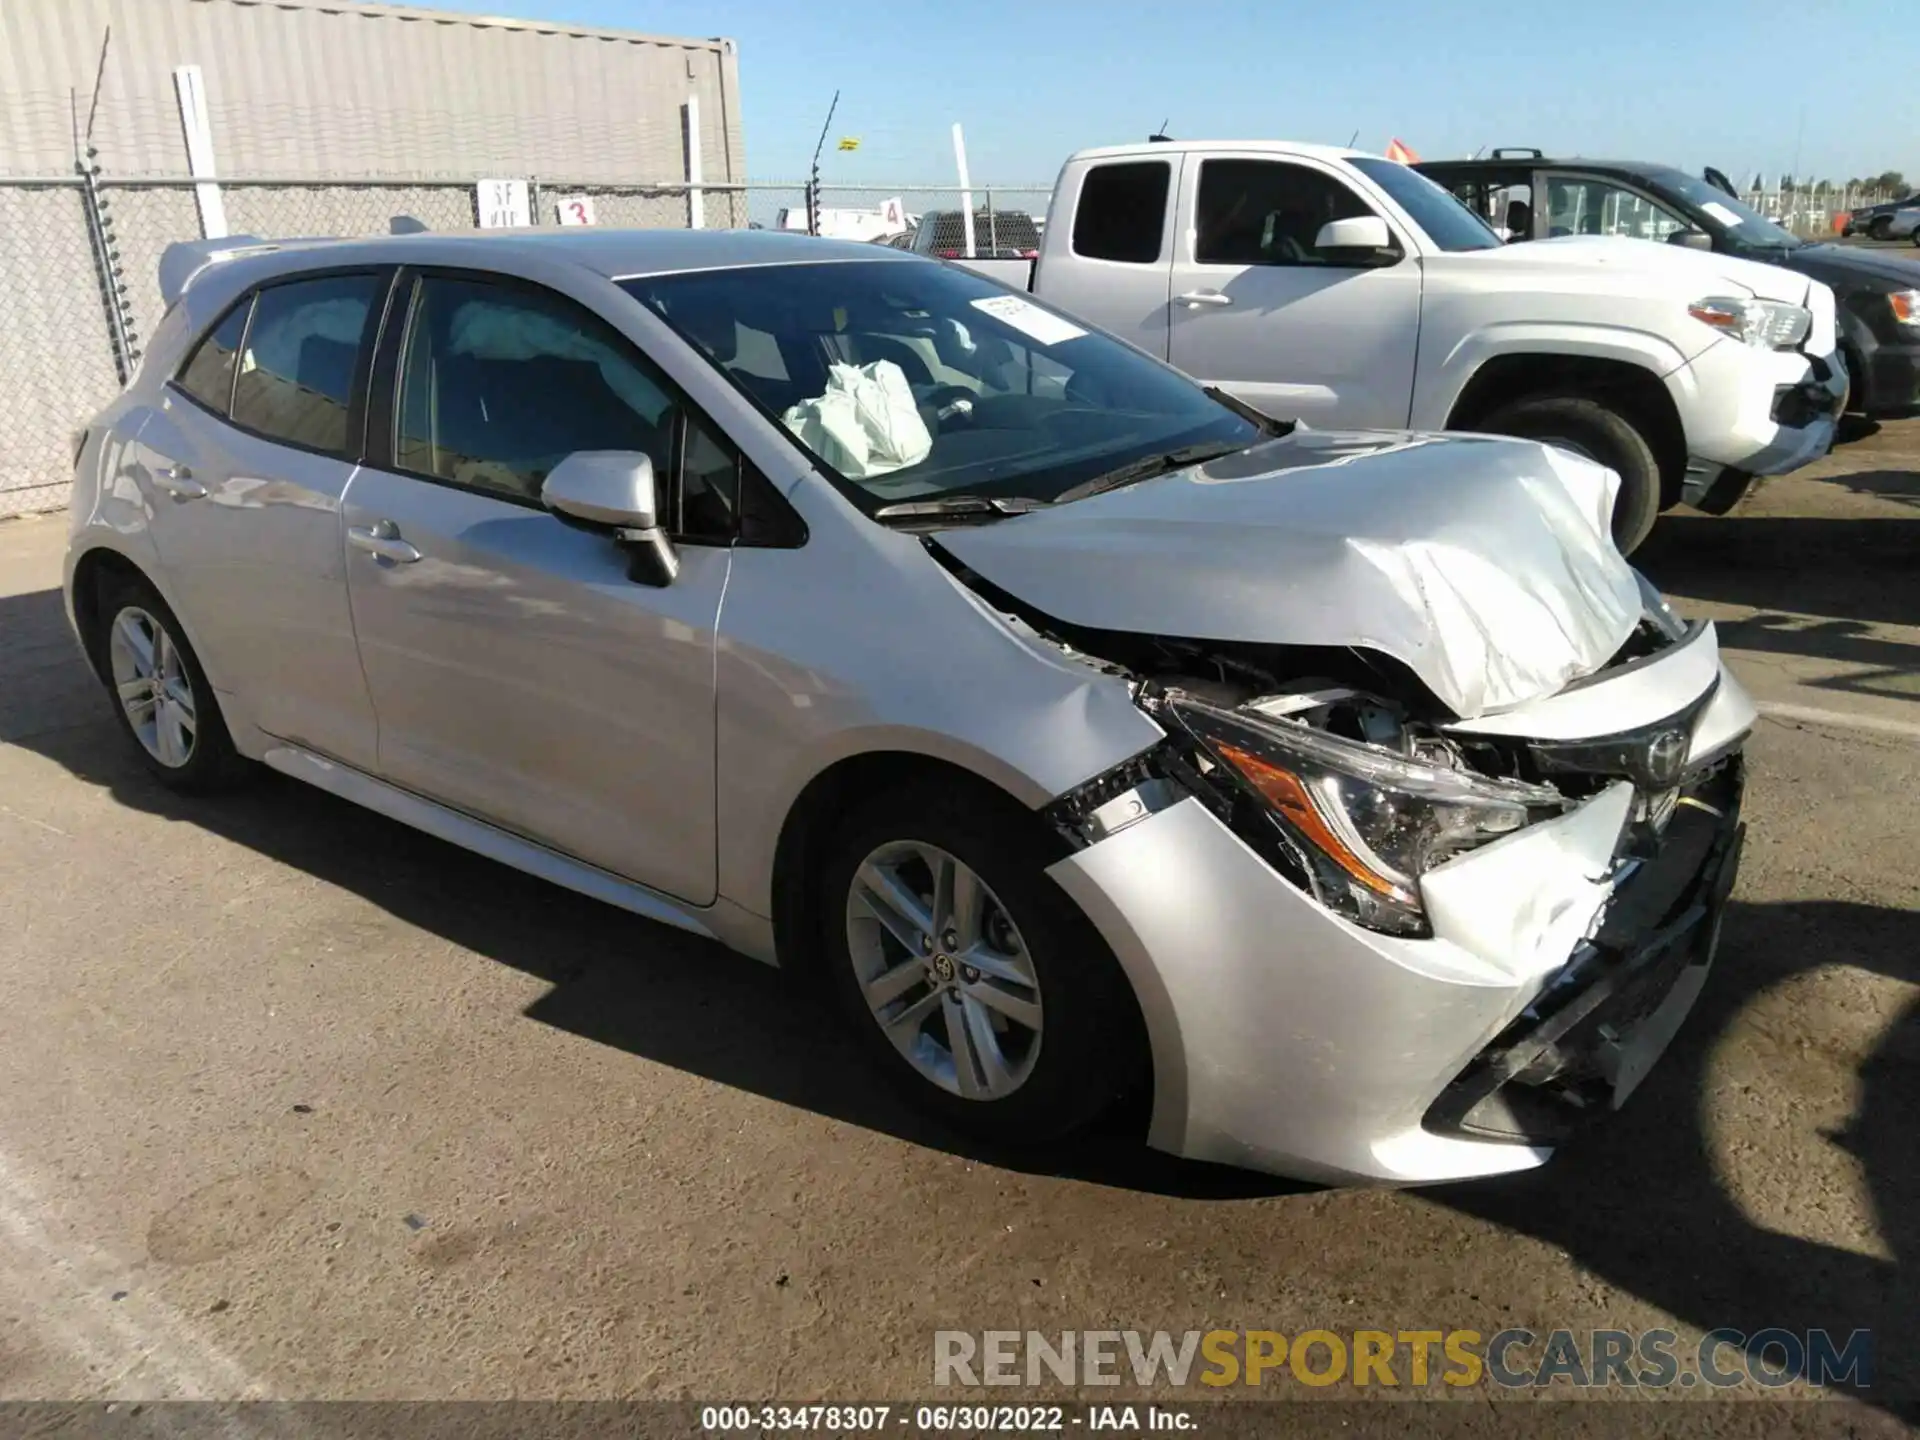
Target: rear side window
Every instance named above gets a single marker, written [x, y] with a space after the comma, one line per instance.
[1123, 212]
[208, 374]
[295, 378]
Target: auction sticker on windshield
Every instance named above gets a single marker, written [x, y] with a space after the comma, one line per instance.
[1029, 319]
[1721, 213]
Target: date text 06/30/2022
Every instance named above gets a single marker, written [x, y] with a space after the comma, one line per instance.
[969, 1419]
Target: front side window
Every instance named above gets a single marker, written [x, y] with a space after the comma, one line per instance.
[295, 376]
[498, 384]
[909, 381]
[1267, 212]
[1123, 211]
[1596, 207]
[208, 374]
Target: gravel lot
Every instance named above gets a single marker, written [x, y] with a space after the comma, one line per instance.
[299, 1103]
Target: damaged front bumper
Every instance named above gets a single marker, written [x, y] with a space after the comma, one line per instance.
[1584, 1044]
[1750, 412]
[1561, 961]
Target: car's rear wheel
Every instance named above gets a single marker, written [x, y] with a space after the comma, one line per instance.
[1595, 430]
[967, 975]
[160, 693]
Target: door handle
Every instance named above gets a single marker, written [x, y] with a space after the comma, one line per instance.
[178, 481]
[382, 540]
[1194, 299]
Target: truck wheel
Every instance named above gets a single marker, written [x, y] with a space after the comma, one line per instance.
[1601, 434]
[967, 976]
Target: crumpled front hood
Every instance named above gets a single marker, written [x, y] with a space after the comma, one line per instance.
[1484, 565]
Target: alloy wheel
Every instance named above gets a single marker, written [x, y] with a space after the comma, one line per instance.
[150, 678]
[944, 970]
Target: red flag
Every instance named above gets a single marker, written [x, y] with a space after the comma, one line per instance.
[1397, 151]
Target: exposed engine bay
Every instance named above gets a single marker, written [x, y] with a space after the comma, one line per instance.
[1337, 765]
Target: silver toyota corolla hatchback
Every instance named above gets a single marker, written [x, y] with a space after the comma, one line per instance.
[1088, 736]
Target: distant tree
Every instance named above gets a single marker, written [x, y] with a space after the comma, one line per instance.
[1889, 180]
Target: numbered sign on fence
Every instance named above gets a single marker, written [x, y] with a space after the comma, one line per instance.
[575, 210]
[502, 204]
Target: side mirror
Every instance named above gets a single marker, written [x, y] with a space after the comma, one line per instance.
[1691, 239]
[1358, 240]
[615, 488]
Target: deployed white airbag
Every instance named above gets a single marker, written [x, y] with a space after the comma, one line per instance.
[866, 424]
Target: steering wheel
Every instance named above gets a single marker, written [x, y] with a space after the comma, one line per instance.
[948, 407]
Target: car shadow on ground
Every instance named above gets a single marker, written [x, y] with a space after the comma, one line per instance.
[1845, 569]
[1637, 1202]
[625, 982]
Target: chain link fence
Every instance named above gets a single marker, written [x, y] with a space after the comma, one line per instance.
[81, 255]
[56, 350]
[1809, 211]
[860, 212]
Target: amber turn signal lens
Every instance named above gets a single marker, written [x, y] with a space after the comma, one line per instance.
[1283, 791]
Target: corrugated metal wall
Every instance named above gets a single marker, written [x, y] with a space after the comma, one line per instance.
[304, 88]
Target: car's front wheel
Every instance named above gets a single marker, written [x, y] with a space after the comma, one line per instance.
[1597, 431]
[968, 976]
[1881, 228]
[160, 694]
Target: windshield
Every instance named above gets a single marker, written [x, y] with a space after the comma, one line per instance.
[909, 380]
[1722, 214]
[1449, 223]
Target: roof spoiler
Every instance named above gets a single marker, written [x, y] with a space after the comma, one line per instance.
[184, 259]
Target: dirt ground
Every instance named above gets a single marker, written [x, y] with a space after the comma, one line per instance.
[297, 1103]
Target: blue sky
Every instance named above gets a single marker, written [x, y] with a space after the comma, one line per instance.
[1693, 82]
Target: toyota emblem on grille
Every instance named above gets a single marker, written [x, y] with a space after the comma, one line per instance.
[1665, 754]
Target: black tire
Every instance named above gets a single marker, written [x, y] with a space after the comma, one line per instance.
[1880, 228]
[1856, 380]
[211, 763]
[1091, 1051]
[1602, 433]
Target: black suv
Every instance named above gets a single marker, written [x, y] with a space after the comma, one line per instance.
[1531, 197]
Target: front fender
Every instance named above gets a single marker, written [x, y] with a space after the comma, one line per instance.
[1444, 379]
[861, 643]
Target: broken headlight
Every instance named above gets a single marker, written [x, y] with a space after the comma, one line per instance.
[1656, 608]
[1363, 822]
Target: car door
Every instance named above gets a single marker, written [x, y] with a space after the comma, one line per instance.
[1258, 309]
[248, 456]
[517, 672]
